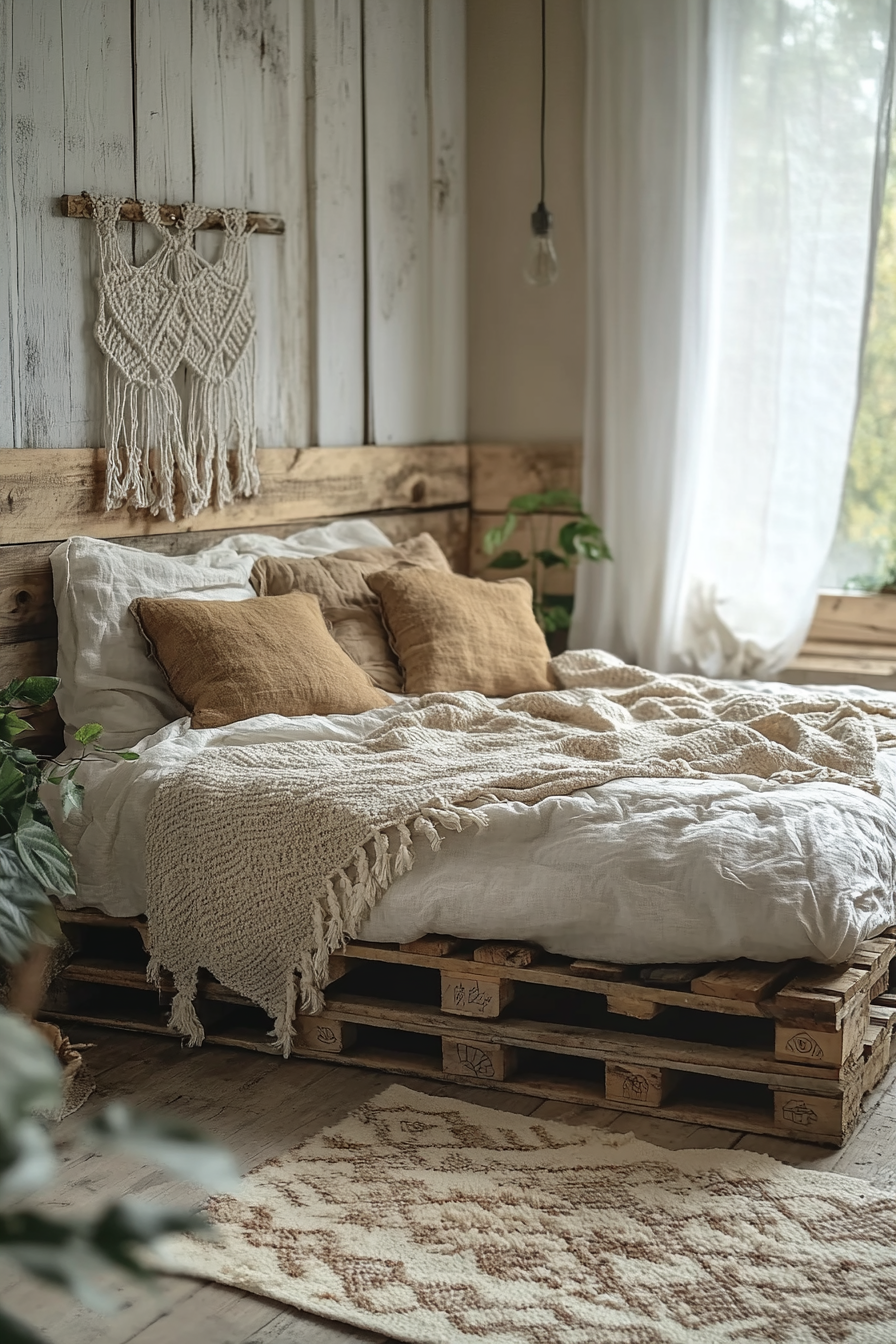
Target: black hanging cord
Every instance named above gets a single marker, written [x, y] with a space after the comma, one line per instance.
[541, 216]
[543, 88]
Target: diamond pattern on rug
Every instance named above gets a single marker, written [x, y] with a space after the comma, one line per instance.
[438, 1222]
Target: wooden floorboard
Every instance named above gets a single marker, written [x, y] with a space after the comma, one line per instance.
[260, 1106]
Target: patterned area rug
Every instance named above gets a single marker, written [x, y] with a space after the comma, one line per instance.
[430, 1220]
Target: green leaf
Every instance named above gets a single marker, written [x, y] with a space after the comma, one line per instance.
[131, 1223]
[71, 796]
[37, 690]
[178, 1147]
[496, 536]
[71, 1254]
[13, 793]
[45, 925]
[14, 1331]
[551, 558]
[584, 538]
[61, 1254]
[548, 501]
[525, 503]
[567, 536]
[593, 550]
[507, 560]
[30, 1227]
[41, 851]
[128, 755]
[23, 756]
[554, 618]
[31, 1082]
[88, 732]
[21, 899]
[10, 692]
[29, 1068]
[11, 725]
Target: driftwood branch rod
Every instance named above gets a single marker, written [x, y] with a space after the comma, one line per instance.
[81, 207]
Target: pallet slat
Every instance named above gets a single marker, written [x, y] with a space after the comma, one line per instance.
[750, 981]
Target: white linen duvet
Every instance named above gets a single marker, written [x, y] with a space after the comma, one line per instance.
[640, 870]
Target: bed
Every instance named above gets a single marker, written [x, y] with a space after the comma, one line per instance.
[635, 873]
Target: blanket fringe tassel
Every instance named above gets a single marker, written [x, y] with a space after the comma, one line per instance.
[182, 1017]
[350, 893]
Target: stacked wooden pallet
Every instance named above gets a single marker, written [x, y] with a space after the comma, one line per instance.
[779, 1048]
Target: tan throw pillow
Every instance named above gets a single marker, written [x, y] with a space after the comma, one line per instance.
[423, 551]
[457, 634]
[227, 661]
[359, 632]
[338, 582]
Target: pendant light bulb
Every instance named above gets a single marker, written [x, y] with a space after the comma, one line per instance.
[542, 266]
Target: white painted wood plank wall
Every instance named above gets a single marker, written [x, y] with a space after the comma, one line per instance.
[446, 53]
[98, 147]
[398, 193]
[9, 309]
[163, 143]
[248, 145]
[336, 147]
[206, 100]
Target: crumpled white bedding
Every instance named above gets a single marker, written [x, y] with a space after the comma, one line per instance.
[640, 870]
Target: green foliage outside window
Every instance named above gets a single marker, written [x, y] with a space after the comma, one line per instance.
[864, 552]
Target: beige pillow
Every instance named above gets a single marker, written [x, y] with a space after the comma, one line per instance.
[359, 632]
[457, 634]
[423, 551]
[350, 608]
[227, 661]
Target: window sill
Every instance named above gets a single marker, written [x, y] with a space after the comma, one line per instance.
[852, 639]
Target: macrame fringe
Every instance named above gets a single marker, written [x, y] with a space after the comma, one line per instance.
[221, 431]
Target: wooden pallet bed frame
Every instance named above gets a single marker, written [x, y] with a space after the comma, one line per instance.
[788, 1049]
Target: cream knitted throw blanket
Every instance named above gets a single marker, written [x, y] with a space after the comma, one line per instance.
[261, 861]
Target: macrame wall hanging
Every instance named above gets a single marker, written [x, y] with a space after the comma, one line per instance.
[167, 438]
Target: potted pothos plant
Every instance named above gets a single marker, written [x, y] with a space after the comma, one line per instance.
[551, 543]
[71, 1253]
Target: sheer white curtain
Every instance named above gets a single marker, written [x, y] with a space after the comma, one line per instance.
[734, 158]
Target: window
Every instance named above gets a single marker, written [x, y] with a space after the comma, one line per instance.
[864, 551]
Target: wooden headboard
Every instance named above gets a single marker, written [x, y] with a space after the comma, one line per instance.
[47, 495]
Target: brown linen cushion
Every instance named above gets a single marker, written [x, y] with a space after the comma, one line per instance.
[338, 580]
[350, 608]
[227, 661]
[457, 634]
[359, 632]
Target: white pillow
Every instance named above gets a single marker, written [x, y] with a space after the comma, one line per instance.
[341, 536]
[106, 674]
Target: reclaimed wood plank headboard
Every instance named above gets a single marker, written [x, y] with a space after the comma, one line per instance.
[48, 495]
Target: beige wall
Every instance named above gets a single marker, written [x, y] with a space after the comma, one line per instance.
[526, 346]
